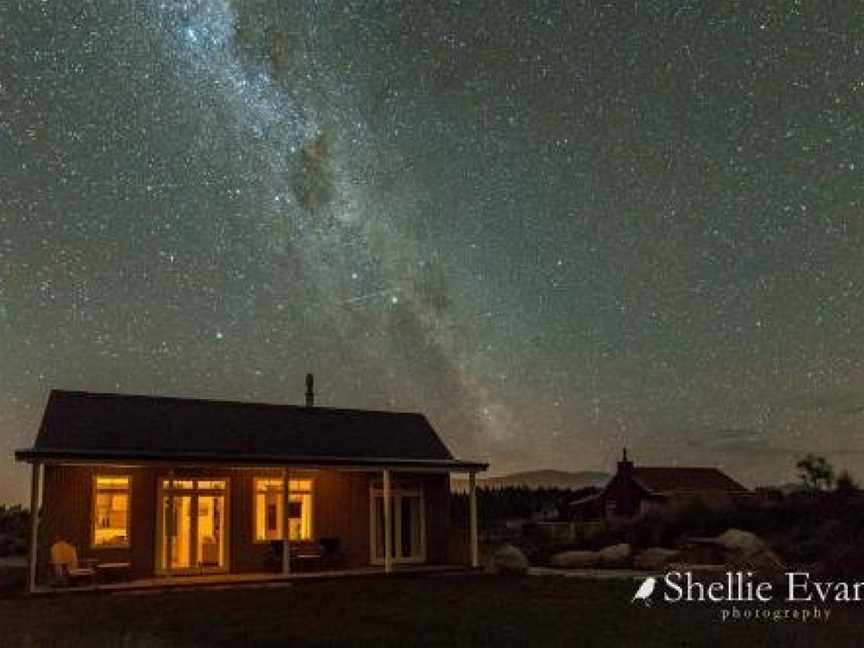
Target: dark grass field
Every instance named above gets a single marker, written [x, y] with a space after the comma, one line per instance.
[403, 611]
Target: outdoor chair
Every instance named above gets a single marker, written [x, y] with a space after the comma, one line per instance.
[333, 557]
[68, 568]
[306, 555]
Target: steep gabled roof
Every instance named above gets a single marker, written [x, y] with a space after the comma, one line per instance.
[674, 479]
[82, 425]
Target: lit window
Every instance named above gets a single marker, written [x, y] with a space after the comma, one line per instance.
[111, 511]
[269, 520]
[214, 484]
[191, 484]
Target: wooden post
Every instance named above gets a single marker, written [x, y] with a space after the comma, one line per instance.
[472, 489]
[170, 521]
[388, 531]
[286, 525]
[35, 488]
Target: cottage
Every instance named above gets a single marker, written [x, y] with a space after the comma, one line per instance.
[635, 489]
[175, 486]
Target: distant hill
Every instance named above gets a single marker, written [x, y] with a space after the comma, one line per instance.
[539, 479]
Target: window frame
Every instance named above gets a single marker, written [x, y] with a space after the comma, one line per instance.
[291, 477]
[94, 494]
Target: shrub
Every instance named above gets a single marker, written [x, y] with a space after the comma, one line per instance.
[14, 530]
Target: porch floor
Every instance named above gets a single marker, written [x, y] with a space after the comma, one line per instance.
[240, 580]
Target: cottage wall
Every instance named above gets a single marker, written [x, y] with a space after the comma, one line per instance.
[340, 510]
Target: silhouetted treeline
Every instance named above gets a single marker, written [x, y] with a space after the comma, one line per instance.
[14, 530]
[497, 504]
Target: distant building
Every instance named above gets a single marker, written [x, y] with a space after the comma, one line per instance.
[634, 490]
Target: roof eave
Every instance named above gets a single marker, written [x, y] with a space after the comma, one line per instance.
[31, 455]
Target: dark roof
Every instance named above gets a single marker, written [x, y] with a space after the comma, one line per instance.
[663, 479]
[84, 425]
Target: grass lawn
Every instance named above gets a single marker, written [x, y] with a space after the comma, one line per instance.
[403, 611]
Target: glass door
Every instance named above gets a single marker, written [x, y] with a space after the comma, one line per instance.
[410, 527]
[177, 534]
[407, 524]
[210, 543]
[378, 524]
[192, 526]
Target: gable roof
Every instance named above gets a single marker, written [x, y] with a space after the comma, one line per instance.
[85, 425]
[674, 479]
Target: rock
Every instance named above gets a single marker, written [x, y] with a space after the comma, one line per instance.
[617, 555]
[765, 561]
[575, 559]
[747, 551]
[740, 541]
[510, 559]
[655, 558]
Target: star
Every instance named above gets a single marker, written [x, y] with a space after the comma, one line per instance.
[444, 219]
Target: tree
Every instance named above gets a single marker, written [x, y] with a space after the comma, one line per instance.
[845, 485]
[815, 472]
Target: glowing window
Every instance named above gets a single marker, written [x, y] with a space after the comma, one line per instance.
[269, 509]
[111, 498]
[214, 484]
[191, 484]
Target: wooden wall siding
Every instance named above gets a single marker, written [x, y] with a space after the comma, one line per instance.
[67, 514]
[436, 489]
[340, 510]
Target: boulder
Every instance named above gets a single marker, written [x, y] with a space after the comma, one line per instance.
[736, 540]
[747, 551]
[575, 559]
[617, 555]
[655, 558]
[510, 559]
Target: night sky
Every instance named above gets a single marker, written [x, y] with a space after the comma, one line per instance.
[556, 228]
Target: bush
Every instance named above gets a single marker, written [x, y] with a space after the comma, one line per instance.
[843, 560]
[14, 530]
[693, 516]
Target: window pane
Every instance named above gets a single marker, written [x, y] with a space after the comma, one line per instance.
[295, 485]
[269, 507]
[111, 512]
[379, 528]
[268, 516]
[112, 482]
[300, 516]
[211, 546]
[213, 484]
[268, 484]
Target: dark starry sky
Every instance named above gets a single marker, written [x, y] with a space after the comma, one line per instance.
[555, 227]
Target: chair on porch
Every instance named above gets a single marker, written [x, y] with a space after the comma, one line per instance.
[333, 557]
[307, 555]
[68, 568]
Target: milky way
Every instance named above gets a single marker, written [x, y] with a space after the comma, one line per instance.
[554, 227]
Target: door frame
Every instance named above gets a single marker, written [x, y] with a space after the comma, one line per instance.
[193, 569]
[398, 490]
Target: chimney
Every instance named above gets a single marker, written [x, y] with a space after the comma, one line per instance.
[625, 466]
[625, 499]
[310, 390]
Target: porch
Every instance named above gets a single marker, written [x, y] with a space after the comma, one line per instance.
[113, 487]
[223, 581]
[200, 525]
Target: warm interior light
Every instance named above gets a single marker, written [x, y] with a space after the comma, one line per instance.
[111, 511]
[269, 509]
